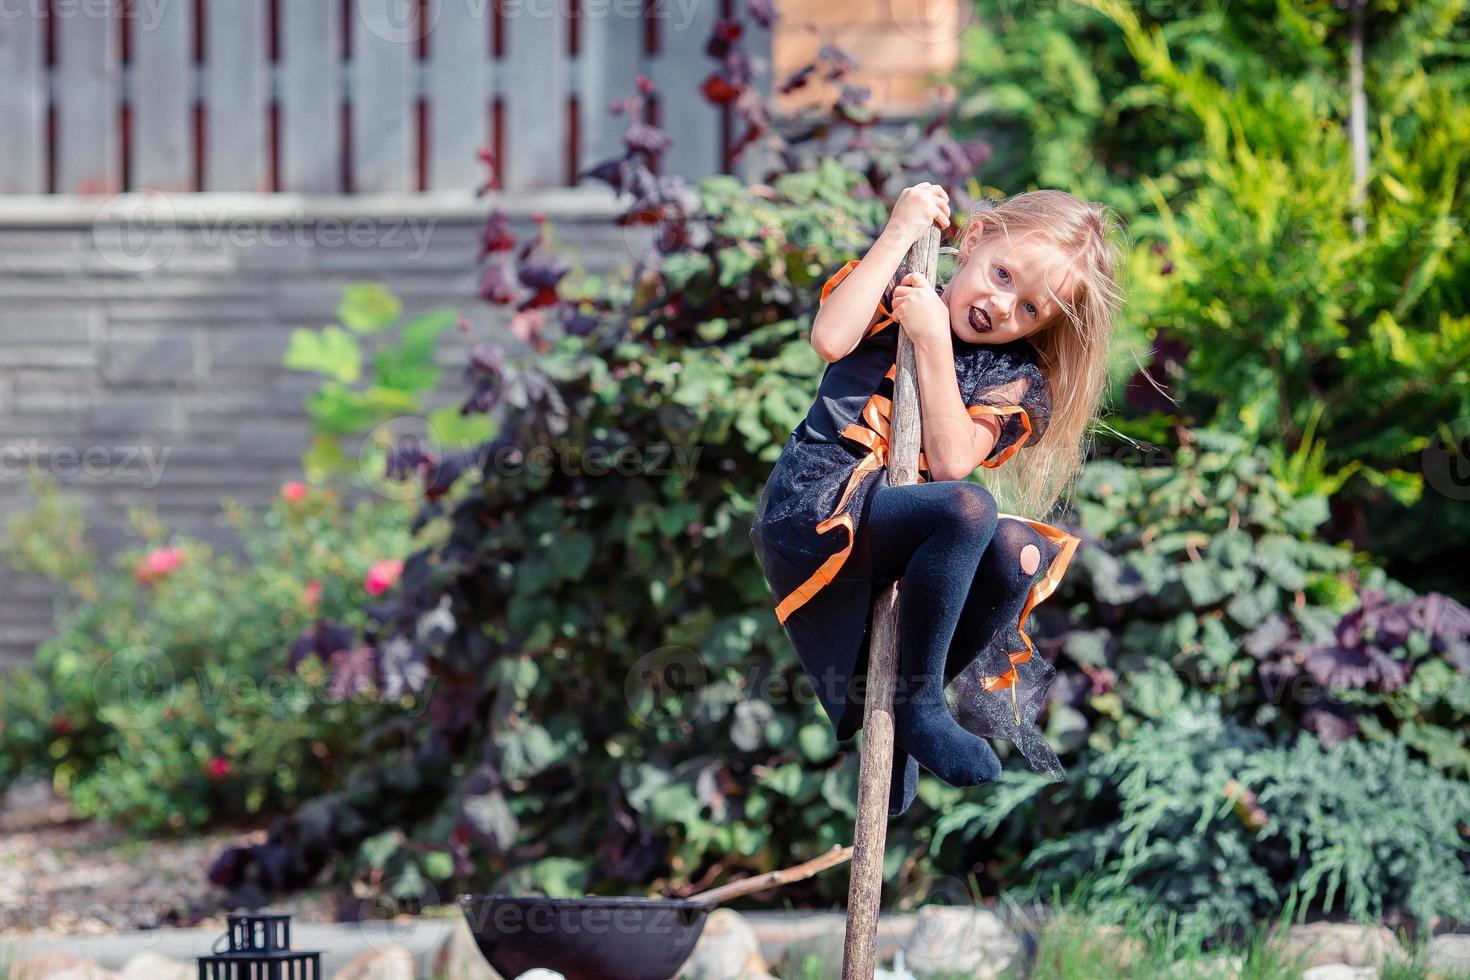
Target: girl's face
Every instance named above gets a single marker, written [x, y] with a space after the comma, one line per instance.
[999, 292]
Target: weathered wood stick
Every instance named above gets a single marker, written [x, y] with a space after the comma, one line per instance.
[771, 879]
[870, 832]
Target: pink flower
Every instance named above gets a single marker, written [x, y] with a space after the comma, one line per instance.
[217, 767]
[312, 594]
[158, 563]
[383, 575]
[294, 491]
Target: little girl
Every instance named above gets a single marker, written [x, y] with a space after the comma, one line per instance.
[1011, 360]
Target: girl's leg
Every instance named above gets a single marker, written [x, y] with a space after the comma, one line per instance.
[1008, 569]
[987, 629]
[933, 535]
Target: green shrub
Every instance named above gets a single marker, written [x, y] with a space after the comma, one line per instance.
[1221, 131]
[1220, 826]
[170, 696]
[1208, 572]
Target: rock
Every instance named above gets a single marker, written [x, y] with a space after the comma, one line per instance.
[1449, 951]
[788, 938]
[1340, 971]
[1227, 966]
[950, 939]
[60, 966]
[152, 966]
[387, 963]
[1345, 943]
[1121, 949]
[899, 970]
[810, 941]
[458, 958]
[727, 950]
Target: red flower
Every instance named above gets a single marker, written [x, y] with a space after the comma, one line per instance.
[294, 491]
[61, 725]
[383, 575]
[158, 563]
[312, 594]
[719, 91]
[217, 767]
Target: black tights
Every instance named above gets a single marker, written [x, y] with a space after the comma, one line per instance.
[964, 577]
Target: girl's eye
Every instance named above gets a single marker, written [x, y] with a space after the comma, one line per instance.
[1007, 277]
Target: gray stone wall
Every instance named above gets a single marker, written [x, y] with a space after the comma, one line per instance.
[140, 360]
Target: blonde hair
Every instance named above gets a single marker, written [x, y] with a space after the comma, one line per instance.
[1075, 345]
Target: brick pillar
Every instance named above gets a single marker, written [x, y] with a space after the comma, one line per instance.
[902, 48]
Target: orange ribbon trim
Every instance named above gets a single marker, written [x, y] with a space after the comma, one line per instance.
[877, 414]
[887, 319]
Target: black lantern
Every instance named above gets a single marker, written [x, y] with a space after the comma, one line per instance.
[260, 949]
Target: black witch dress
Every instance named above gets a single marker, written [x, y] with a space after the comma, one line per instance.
[820, 569]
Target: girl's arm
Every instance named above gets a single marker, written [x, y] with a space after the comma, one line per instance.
[954, 444]
[849, 310]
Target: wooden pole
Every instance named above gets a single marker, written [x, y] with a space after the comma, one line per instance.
[870, 832]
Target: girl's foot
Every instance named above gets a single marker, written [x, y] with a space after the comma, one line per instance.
[904, 783]
[927, 731]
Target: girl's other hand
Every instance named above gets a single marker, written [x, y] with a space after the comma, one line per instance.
[915, 210]
[918, 307]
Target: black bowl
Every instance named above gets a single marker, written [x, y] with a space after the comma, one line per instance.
[585, 938]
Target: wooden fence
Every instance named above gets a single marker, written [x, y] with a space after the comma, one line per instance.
[333, 96]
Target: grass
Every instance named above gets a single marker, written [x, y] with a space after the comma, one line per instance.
[1070, 941]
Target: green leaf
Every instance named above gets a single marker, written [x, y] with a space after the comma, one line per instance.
[368, 307]
[572, 555]
[380, 848]
[331, 351]
[527, 750]
[816, 741]
[674, 803]
[325, 457]
[452, 429]
[561, 877]
[338, 410]
[439, 865]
